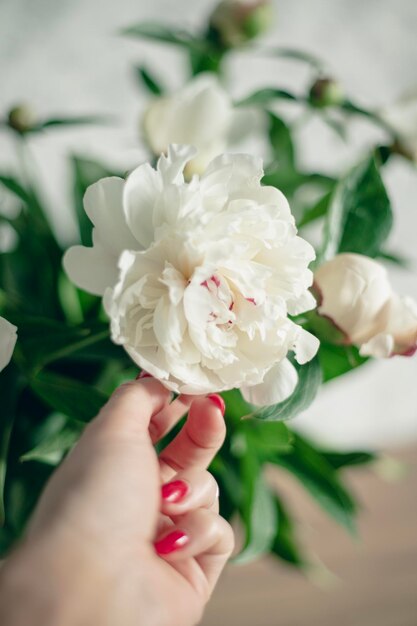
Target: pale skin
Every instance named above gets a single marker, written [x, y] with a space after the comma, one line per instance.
[109, 544]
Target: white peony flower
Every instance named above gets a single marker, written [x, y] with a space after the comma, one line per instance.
[201, 114]
[355, 294]
[208, 274]
[8, 337]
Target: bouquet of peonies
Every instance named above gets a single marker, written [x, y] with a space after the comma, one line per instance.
[195, 267]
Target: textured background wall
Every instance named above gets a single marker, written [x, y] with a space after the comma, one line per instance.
[65, 57]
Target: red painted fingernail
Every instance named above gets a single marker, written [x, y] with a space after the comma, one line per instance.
[174, 491]
[172, 542]
[143, 374]
[218, 401]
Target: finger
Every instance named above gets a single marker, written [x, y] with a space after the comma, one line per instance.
[198, 441]
[200, 534]
[189, 490]
[131, 407]
[163, 421]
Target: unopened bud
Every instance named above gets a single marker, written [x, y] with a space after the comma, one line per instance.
[237, 21]
[326, 92]
[21, 118]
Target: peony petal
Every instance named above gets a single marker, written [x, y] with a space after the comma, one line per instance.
[140, 194]
[92, 269]
[305, 346]
[244, 171]
[278, 384]
[103, 203]
[8, 338]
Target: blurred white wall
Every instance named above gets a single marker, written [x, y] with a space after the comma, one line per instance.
[65, 57]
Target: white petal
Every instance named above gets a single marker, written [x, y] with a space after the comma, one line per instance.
[8, 338]
[305, 346]
[103, 203]
[244, 171]
[92, 269]
[380, 347]
[278, 384]
[140, 194]
[305, 302]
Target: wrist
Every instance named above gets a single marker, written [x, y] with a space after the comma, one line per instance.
[43, 583]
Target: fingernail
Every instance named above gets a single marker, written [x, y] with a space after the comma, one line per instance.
[174, 491]
[218, 401]
[172, 542]
[143, 374]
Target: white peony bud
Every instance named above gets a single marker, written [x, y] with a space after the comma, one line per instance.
[354, 293]
[201, 114]
[8, 337]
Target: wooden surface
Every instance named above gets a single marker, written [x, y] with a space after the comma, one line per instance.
[371, 581]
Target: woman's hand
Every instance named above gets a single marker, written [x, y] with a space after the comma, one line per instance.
[121, 537]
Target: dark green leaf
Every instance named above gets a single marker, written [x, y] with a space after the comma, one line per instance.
[44, 340]
[285, 544]
[319, 478]
[150, 82]
[338, 360]
[13, 185]
[9, 385]
[281, 142]
[52, 448]
[265, 97]
[359, 218]
[166, 34]
[258, 511]
[396, 259]
[77, 120]
[309, 380]
[68, 396]
[339, 460]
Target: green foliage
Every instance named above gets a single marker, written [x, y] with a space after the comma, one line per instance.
[146, 79]
[359, 218]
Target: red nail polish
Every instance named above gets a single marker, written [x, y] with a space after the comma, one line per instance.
[174, 491]
[143, 374]
[218, 401]
[172, 542]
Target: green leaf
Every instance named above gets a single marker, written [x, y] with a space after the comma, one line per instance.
[265, 97]
[267, 437]
[318, 210]
[77, 120]
[338, 360]
[68, 396]
[396, 259]
[43, 340]
[309, 380]
[258, 511]
[9, 385]
[321, 480]
[359, 218]
[166, 34]
[145, 78]
[281, 142]
[52, 448]
[297, 55]
[13, 185]
[339, 460]
[285, 544]
[85, 173]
